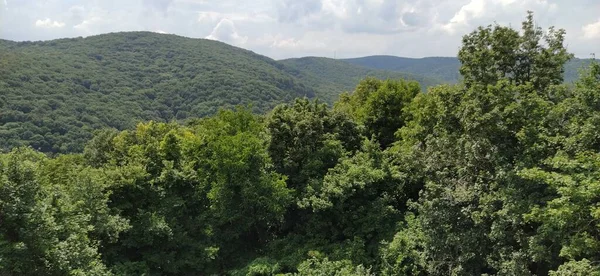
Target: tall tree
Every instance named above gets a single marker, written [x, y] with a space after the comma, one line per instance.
[379, 106]
[496, 52]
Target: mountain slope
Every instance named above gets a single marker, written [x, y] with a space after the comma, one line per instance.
[330, 76]
[55, 93]
[444, 68]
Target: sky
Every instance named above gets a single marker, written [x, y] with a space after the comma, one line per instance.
[296, 28]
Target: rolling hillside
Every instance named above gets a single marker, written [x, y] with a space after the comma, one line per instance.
[54, 94]
[328, 75]
[443, 68]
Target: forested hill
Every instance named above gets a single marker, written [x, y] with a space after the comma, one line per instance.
[55, 93]
[443, 68]
[496, 175]
[326, 74]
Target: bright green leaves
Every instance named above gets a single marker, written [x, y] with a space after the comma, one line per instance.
[577, 268]
[233, 160]
[350, 176]
[54, 212]
[471, 144]
[379, 107]
[402, 256]
[322, 266]
[571, 218]
[195, 195]
[306, 139]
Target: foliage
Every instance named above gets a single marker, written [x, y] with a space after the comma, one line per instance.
[329, 77]
[191, 192]
[56, 93]
[317, 266]
[497, 175]
[379, 106]
[445, 69]
[490, 54]
[54, 214]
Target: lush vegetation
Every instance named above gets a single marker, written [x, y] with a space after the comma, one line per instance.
[443, 68]
[56, 93]
[496, 175]
[325, 74]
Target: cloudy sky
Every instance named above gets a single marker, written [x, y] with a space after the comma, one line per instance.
[294, 28]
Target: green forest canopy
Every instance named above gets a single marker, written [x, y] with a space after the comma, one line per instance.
[56, 93]
[496, 175]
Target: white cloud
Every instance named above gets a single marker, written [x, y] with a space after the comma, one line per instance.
[592, 30]
[76, 13]
[474, 9]
[471, 14]
[358, 16]
[289, 43]
[225, 31]
[212, 17]
[87, 24]
[209, 16]
[293, 28]
[293, 10]
[48, 23]
[161, 6]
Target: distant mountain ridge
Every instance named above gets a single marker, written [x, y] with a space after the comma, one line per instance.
[54, 94]
[443, 68]
[326, 74]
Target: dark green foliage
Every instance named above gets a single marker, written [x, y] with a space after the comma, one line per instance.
[379, 106]
[196, 197]
[491, 54]
[55, 93]
[498, 175]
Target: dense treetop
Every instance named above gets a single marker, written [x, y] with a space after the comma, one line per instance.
[496, 175]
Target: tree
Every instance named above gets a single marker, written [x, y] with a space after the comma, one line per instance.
[306, 139]
[318, 265]
[569, 223]
[54, 213]
[379, 106]
[196, 196]
[490, 54]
